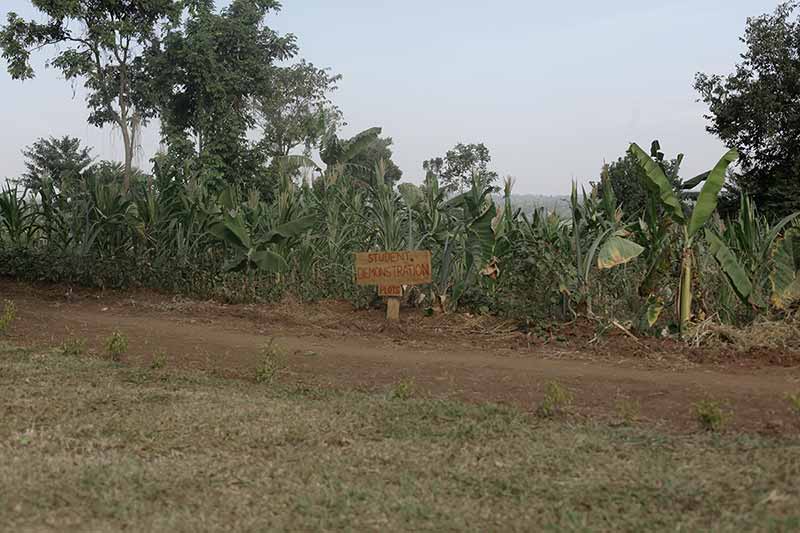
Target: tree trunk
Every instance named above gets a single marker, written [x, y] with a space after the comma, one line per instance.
[127, 141]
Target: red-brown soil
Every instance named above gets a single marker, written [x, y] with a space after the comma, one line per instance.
[472, 358]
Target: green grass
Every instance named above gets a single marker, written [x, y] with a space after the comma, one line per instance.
[87, 444]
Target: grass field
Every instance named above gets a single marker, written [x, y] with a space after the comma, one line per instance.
[88, 444]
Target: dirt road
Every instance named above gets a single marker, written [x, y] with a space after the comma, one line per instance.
[332, 345]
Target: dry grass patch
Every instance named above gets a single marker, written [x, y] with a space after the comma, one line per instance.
[90, 445]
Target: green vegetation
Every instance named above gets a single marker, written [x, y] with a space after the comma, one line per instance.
[711, 415]
[256, 194]
[272, 360]
[557, 401]
[794, 403]
[7, 316]
[116, 346]
[88, 444]
[73, 346]
[754, 109]
[404, 389]
[238, 207]
[159, 360]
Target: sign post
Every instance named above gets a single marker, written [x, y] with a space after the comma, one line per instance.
[390, 271]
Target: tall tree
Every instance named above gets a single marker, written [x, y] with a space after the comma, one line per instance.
[460, 164]
[99, 42]
[56, 162]
[295, 109]
[205, 74]
[755, 109]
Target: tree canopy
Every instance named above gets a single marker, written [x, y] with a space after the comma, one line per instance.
[755, 110]
[460, 164]
[204, 75]
[54, 162]
[100, 43]
[295, 109]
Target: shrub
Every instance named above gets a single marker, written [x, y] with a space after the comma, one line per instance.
[8, 316]
[794, 403]
[711, 415]
[556, 402]
[628, 410]
[73, 346]
[273, 360]
[116, 346]
[159, 360]
[403, 389]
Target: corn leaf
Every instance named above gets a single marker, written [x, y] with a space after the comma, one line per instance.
[709, 194]
[616, 251]
[659, 181]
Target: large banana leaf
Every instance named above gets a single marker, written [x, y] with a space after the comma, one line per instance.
[784, 279]
[617, 250]
[293, 228]
[236, 264]
[269, 261]
[695, 181]
[709, 194]
[733, 270]
[232, 230]
[659, 180]
[481, 237]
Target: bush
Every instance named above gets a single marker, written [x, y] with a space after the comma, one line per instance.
[711, 415]
[557, 401]
[8, 316]
[116, 346]
[272, 362]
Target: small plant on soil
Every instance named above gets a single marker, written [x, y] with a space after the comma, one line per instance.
[273, 360]
[628, 410]
[73, 346]
[403, 389]
[794, 403]
[556, 402]
[711, 415]
[159, 360]
[116, 346]
[8, 316]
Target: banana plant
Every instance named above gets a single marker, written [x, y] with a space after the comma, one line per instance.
[706, 204]
[254, 250]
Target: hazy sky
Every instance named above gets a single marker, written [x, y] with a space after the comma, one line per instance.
[553, 88]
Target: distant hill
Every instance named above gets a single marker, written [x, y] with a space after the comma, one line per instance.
[530, 202]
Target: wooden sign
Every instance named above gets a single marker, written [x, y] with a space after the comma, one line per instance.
[395, 291]
[393, 268]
